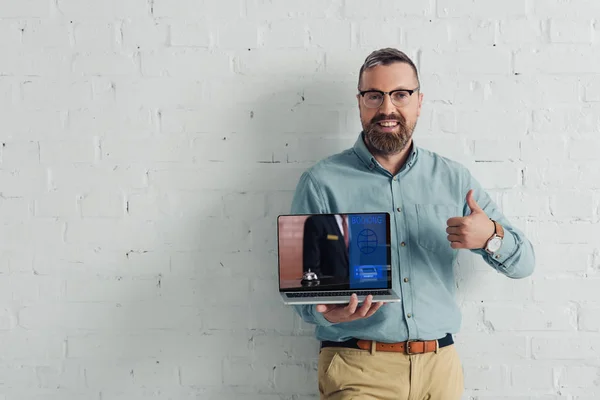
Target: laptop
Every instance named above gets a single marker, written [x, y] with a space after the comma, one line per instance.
[325, 258]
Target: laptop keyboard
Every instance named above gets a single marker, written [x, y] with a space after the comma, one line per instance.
[331, 294]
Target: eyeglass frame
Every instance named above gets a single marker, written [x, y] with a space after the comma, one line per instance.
[363, 92]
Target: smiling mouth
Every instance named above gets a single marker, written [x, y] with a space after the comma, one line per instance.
[388, 124]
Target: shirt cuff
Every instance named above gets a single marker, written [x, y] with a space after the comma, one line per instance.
[507, 249]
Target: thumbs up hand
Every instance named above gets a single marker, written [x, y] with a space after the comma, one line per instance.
[472, 231]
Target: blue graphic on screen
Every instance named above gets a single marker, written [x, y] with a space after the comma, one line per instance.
[368, 251]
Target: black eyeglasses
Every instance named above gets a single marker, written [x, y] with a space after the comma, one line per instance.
[374, 98]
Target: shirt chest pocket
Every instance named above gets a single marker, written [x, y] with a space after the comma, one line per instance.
[432, 223]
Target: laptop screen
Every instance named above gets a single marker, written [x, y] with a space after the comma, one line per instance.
[323, 252]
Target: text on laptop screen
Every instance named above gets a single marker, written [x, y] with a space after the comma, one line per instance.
[334, 251]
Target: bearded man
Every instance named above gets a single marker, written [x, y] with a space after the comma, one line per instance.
[403, 350]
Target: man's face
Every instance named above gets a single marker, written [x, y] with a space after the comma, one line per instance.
[389, 128]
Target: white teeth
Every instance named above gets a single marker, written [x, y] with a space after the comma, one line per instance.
[388, 124]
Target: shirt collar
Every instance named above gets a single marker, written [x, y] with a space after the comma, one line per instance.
[363, 153]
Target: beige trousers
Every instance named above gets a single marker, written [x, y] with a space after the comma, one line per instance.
[346, 374]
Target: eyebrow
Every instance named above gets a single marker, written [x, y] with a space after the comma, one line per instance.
[379, 90]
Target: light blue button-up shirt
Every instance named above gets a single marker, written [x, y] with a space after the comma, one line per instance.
[426, 192]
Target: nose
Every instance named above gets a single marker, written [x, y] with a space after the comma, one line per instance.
[387, 107]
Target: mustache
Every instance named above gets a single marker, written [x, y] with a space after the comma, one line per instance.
[383, 117]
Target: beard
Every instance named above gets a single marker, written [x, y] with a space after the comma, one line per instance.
[388, 143]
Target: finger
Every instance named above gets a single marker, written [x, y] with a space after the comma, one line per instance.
[323, 308]
[455, 238]
[453, 230]
[364, 309]
[351, 307]
[456, 221]
[376, 306]
[458, 245]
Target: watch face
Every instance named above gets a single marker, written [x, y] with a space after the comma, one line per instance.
[495, 244]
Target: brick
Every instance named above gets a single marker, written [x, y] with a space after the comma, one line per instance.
[8, 319]
[86, 178]
[273, 10]
[538, 148]
[564, 349]
[198, 11]
[155, 374]
[14, 210]
[109, 375]
[160, 92]
[493, 123]
[532, 377]
[99, 35]
[105, 64]
[237, 34]
[281, 62]
[521, 31]
[42, 34]
[371, 32]
[110, 120]
[37, 62]
[575, 376]
[553, 289]
[580, 205]
[575, 232]
[591, 87]
[31, 233]
[571, 31]
[240, 372]
[480, 9]
[47, 94]
[144, 34]
[505, 175]
[584, 148]
[184, 62]
[588, 319]
[56, 205]
[473, 61]
[565, 258]
[560, 9]
[102, 205]
[25, 346]
[328, 34]
[354, 9]
[190, 35]
[556, 60]
[295, 378]
[491, 287]
[539, 317]
[108, 9]
[520, 91]
[202, 372]
[73, 151]
[502, 348]
[485, 377]
[111, 233]
[20, 154]
[496, 150]
[162, 149]
[24, 9]
[285, 34]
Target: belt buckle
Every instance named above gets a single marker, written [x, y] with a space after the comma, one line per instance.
[407, 347]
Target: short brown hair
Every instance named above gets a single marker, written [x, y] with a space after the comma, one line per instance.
[386, 56]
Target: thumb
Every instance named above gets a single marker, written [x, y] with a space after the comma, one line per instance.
[472, 203]
[323, 308]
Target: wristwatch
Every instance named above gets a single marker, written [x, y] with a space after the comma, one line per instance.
[495, 242]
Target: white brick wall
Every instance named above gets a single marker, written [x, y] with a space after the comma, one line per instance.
[148, 146]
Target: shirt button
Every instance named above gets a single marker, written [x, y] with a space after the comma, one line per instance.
[399, 209]
[402, 244]
[409, 315]
[395, 178]
[405, 279]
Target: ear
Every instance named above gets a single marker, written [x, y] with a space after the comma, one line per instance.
[420, 104]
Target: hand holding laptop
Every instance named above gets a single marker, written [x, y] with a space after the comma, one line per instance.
[344, 313]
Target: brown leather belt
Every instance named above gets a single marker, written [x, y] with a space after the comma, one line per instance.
[408, 347]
